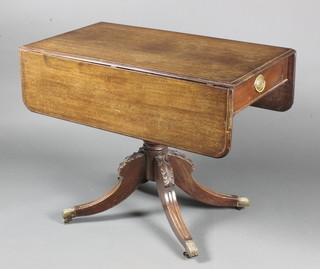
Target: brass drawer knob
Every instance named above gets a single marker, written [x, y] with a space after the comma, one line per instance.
[260, 83]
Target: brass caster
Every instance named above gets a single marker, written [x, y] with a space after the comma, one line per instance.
[191, 249]
[242, 202]
[186, 255]
[68, 214]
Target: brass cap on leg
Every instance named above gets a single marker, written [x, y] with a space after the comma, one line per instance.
[191, 249]
[68, 214]
[243, 202]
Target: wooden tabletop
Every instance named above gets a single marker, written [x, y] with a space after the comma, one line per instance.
[209, 60]
[170, 88]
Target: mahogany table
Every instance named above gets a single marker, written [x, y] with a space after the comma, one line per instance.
[166, 88]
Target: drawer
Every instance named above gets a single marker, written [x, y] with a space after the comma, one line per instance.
[249, 92]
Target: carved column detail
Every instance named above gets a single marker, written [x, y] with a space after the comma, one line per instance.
[165, 169]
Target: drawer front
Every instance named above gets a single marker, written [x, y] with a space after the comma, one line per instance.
[182, 114]
[259, 85]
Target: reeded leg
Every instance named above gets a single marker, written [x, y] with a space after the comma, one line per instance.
[183, 168]
[165, 184]
[131, 175]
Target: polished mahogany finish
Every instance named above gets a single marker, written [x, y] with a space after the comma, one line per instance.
[130, 177]
[141, 82]
[167, 88]
[167, 168]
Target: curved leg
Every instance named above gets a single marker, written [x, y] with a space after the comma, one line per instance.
[165, 185]
[183, 168]
[131, 174]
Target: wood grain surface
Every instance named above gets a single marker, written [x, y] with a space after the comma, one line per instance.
[185, 181]
[198, 58]
[187, 115]
[170, 88]
[132, 175]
